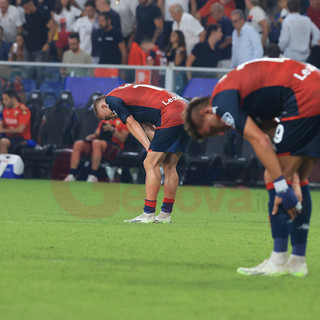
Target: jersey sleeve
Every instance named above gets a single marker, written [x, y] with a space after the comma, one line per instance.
[25, 116]
[227, 107]
[118, 106]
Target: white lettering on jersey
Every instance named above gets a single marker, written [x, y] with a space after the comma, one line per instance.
[305, 72]
[173, 98]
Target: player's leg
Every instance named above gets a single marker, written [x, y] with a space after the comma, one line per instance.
[152, 165]
[4, 145]
[300, 226]
[276, 264]
[80, 148]
[98, 147]
[171, 183]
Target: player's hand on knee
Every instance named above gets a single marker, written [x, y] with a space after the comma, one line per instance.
[286, 197]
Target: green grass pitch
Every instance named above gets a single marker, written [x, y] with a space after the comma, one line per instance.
[66, 254]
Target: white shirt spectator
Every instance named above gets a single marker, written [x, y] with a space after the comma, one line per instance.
[255, 16]
[191, 29]
[127, 12]
[169, 3]
[10, 22]
[70, 17]
[294, 40]
[245, 47]
[84, 27]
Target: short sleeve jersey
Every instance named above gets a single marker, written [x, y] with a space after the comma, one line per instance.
[147, 104]
[267, 88]
[117, 123]
[14, 117]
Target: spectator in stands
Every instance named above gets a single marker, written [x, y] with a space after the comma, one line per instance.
[17, 49]
[257, 18]
[46, 5]
[192, 29]
[314, 12]
[149, 22]
[75, 55]
[110, 44]
[38, 32]
[164, 5]
[176, 52]
[296, 32]
[205, 11]
[16, 122]
[84, 26]
[4, 47]
[10, 21]
[127, 11]
[65, 16]
[207, 53]
[105, 6]
[246, 43]
[106, 141]
[217, 13]
[277, 20]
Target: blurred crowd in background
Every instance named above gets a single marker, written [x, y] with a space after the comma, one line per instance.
[212, 33]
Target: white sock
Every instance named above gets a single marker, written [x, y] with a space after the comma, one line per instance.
[279, 258]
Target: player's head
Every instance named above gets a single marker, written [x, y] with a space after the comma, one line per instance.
[10, 98]
[200, 121]
[101, 109]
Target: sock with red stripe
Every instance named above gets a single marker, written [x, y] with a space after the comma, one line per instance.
[300, 225]
[167, 205]
[279, 224]
[149, 206]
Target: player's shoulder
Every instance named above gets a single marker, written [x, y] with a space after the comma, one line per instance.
[23, 109]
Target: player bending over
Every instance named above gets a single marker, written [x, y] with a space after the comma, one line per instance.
[246, 98]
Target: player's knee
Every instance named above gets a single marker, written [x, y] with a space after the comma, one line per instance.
[150, 164]
[97, 145]
[77, 145]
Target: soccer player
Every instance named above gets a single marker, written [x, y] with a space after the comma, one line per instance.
[151, 113]
[16, 123]
[107, 140]
[250, 96]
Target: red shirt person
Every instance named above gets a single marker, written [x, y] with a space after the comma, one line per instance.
[154, 117]
[16, 123]
[248, 99]
[106, 142]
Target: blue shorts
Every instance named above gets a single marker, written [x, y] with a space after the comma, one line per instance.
[15, 143]
[173, 139]
[300, 137]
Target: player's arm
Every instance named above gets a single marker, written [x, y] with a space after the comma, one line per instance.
[136, 130]
[18, 129]
[264, 150]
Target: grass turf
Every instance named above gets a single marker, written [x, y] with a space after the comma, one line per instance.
[65, 254]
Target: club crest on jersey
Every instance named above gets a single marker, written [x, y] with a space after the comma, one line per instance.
[228, 119]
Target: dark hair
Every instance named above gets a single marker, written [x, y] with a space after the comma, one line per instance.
[191, 112]
[74, 35]
[90, 3]
[293, 5]
[106, 15]
[181, 41]
[272, 50]
[58, 6]
[11, 93]
[212, 28]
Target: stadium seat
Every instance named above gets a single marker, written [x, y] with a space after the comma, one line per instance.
[50, 92]
[86, 122]
[36, 107]
[29, 85]
[82, 88]
[199, 87]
